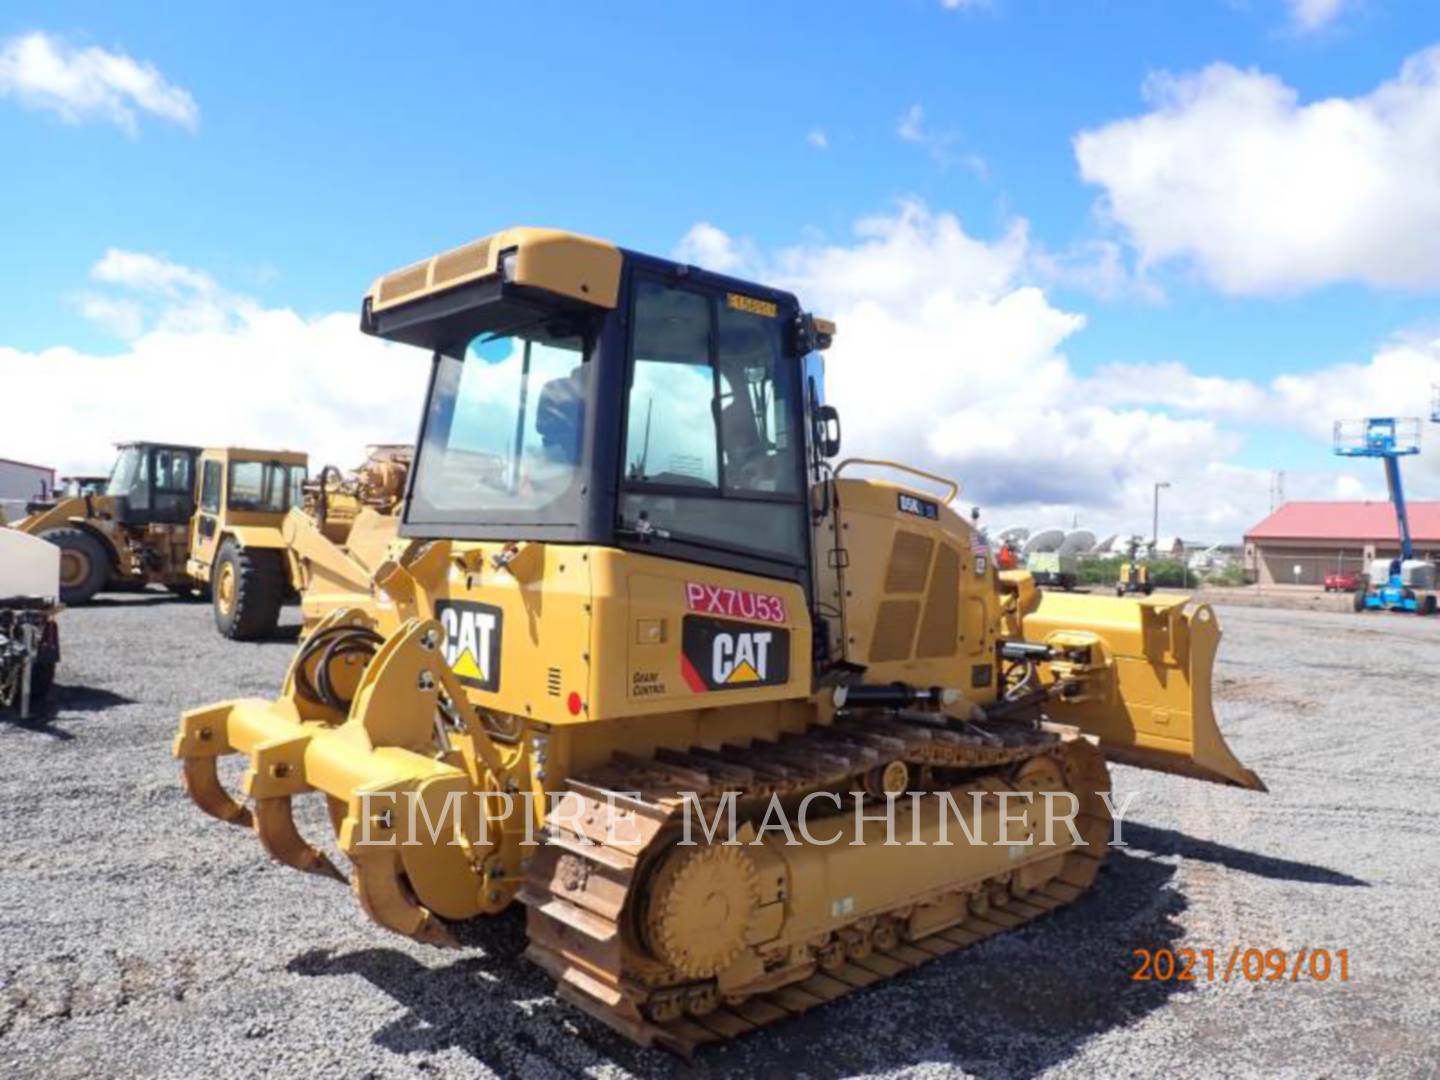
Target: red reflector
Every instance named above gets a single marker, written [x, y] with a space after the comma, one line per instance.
[573, 703]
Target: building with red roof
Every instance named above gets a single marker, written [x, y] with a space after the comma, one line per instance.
[1301, 542]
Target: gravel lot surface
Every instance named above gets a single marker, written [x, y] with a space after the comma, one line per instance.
[138, 937]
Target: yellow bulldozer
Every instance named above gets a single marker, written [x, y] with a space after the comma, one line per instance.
[247, 526]
[639, 621]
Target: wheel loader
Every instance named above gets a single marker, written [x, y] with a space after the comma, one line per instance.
[133, 533]
[639, 617]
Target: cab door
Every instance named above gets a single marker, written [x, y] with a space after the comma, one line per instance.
[205, 532]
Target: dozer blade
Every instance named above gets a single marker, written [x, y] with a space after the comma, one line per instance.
[1146, 691]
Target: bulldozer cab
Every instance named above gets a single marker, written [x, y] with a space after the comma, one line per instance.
[244, 493]
[588, 395]
[153, 484]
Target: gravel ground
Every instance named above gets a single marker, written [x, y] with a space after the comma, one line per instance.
[138, 937]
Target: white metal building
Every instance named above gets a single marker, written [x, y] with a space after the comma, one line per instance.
[20, 482]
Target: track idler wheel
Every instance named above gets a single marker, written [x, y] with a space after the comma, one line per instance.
[699, 906]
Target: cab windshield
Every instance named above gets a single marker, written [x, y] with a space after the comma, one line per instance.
[504, 427]
[128, 472]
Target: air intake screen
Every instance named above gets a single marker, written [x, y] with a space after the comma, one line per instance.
[909, 563]
[940, 628]
[463, 262]
[894, 630]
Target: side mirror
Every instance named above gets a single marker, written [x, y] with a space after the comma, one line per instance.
[827, 430]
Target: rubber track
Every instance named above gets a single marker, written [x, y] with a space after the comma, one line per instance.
[575, 931]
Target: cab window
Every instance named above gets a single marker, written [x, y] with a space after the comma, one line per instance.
[172, 471]
[757, 391]
[298, 475]
[261, 486]
[710, 443]
[210, 487]
[505, 427]
[670, 432]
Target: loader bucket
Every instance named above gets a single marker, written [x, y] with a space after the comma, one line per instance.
[1146, 692]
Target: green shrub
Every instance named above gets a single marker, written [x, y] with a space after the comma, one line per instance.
[1228, 576]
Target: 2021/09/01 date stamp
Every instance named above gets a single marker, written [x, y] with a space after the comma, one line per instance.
[1241, 963]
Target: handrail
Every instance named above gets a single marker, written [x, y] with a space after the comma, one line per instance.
[883, 464]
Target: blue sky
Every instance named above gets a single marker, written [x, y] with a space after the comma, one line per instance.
[325, 144]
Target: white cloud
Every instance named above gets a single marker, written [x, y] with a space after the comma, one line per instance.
[208, 367]
[149, 273]
[817, 139]
[43, 72]
[1173, 386]
[705, 245]
[943, 146]
[1097, 267]
[911, 125]
[951, 5]
[123, 318]
[1229, 172]
[1308, 16]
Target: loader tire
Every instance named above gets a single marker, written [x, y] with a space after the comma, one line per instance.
[84, 564]
[247, 588]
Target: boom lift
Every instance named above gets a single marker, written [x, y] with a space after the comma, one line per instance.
[1404, 583]
[632, 578]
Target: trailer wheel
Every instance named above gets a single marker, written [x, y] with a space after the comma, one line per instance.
[84, 564]
[247, 587]
[1426, 606]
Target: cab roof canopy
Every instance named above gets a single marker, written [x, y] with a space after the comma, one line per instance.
[519, 274]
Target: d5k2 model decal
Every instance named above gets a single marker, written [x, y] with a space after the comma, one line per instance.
[472, 641]
[724, 655]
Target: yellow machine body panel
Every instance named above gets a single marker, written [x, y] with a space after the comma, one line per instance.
[64, 512]
[564, 263]
[578, 635]
[917, 592]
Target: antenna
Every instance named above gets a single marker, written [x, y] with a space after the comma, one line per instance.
[645, 444]
[1277, 489]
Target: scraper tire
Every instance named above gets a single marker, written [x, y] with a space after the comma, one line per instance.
[247, 588]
